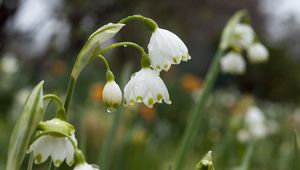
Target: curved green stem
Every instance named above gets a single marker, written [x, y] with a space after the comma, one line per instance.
[150, 23]
[120, 44]
[55, 98]
[197, 111]
[101, 57]
[145, 62]
[61, 113]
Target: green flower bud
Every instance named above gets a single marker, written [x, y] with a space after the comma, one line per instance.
[205, 163]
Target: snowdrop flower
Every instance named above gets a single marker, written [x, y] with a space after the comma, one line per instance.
[84, 166]
[233, 63]
[146, 86]
[242, 35]
[255, 122]
[112, 95]
[257, 53]
[166, 48]
[9, 64]
[58, 148]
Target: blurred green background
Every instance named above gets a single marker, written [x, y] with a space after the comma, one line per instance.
[39, 40]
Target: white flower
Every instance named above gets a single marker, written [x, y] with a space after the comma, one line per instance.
[112, 95]
[255, 122]
[84, 166]
[146, 86]
[58, 148]
[257, 53]
[166, 48]
[9, 64]
[233, 63]
[242, 35]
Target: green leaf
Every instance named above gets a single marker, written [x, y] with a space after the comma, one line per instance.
[227, 31]
[93, 43]
[25, 127]
[295, 158]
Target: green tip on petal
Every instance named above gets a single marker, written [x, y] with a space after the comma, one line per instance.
[38, 158]
[159, 97]
[150, 101]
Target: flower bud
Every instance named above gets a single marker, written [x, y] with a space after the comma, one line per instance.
[257, 53]
[205, 163]
[233, 63]
[112, 95]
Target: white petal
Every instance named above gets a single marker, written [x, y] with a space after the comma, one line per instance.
[233, 63]
[166, 48]
[257, 53]
[112, 95]
[85, 166]
[41, 149]
[59, 152]
[243, 35]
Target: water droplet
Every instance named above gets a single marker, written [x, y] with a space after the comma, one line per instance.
[110, 110]
[125, 45]
[133, 75]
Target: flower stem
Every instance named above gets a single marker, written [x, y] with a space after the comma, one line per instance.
[70, 91]
[150, 23]
[104, 158]
[119, 44]
[30, 162]
[197, 111]
[247, 158]
[72, 81]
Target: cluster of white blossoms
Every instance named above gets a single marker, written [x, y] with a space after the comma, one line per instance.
[146, 86]
[59, 143]
[56, 137]
[255, 125]
[242, 37]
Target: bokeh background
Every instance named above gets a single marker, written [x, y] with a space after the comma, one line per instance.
[39, 40]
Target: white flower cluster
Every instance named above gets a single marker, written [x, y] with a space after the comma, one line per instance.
[146, 86]
[243, 37]
[255, 125]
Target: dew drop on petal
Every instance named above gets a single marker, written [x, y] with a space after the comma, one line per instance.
[133, 75]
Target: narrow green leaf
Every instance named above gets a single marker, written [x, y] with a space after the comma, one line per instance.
[226, 34]
[95, 40]
[295, 158]
[25, 127]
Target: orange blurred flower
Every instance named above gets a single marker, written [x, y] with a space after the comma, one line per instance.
[95, 92]
[59, 68]
[148, 114]
[191, 82]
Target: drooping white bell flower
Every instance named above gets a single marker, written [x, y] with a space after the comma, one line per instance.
[146, 86]
[257, 53]
[58, 148]
[166, 48]
[255, 122]
[85, 166]
[233, 63]
[9, 64]
[112, 95]
[242, 35]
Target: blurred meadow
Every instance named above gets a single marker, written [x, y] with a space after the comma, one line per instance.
[39, 40]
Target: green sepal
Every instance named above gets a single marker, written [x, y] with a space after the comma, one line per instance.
[205, 163]
[109, 76]
[57, 125]
[227, 31]
[103, 34]
[25, 128]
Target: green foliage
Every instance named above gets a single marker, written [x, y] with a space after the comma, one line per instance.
[25, 127]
